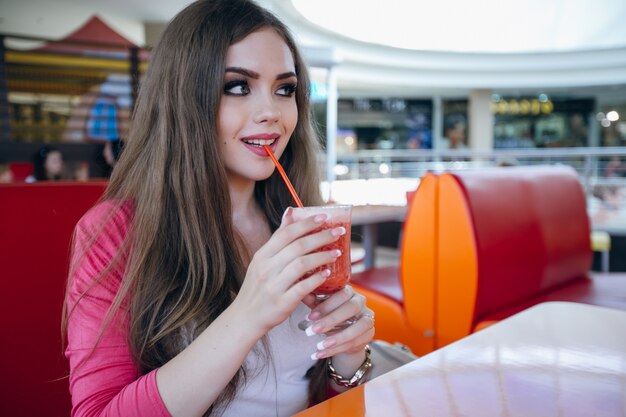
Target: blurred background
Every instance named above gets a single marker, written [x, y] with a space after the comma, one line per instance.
[400, 88]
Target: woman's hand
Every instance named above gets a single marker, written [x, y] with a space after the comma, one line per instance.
[272, 288]
[345, 344]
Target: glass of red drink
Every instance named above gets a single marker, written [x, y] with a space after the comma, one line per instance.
[340, 270]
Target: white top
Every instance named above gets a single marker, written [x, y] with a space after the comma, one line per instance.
[279, 387]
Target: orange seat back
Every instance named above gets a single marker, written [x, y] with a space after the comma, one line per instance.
[417, 261]
[36, 225]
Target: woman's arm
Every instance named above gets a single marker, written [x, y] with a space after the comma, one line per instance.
[104, 381]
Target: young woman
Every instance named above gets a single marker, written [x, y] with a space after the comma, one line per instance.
[185, 287]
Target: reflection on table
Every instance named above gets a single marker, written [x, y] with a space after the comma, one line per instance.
[368, 216]
[554, 359]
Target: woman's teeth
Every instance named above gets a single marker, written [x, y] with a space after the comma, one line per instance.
[259, 142]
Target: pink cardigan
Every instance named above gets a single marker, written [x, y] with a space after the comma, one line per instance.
[105, 381]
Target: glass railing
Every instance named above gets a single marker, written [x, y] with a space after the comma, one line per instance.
[595, 166]
[384, 176]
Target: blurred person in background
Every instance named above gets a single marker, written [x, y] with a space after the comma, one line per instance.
[111, 152]
[454, 133]
[77, 170]
[47, 165]
[615, 168]
[6, 176]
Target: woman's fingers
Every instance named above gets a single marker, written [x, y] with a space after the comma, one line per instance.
[291, 230]
[333, 302]
[310, 243]
[310, 300]
[306, 286]
[302, 265]
[297, 249]
[351, 339]
[300, 256]
[287, 217]
[347, 322]
[340, 307]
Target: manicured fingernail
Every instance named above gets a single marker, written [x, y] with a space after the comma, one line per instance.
[287, 212]
[338, 231]
[336, 253]
[320, 218]
[314, 356]
[318, 327]
[326, 343]
[315, 328]
[326, 273]
[313, 315]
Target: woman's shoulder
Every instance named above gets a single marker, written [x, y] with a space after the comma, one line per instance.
[109, 218]
[99, 236]
[108, 212]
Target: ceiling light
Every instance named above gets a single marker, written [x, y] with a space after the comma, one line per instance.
[613, 116]
[494, 25]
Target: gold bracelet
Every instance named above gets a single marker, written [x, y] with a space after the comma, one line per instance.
[357, 378]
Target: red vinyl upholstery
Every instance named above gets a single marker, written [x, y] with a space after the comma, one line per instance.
[606, 290]
[502, 240]
[509, 238]
[21, 170]
[36, 224]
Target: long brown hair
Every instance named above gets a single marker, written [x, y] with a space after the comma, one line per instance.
[187, 262]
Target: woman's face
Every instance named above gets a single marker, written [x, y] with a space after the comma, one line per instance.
[54, 164]
[258, 104]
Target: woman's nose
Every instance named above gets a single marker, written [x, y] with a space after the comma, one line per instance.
[267, 111]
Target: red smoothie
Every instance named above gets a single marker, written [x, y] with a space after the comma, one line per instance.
[340, 270]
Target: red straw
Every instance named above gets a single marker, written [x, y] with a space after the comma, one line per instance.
[282, 174]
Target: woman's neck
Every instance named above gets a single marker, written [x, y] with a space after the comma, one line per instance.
[248, 218]
[242, 200]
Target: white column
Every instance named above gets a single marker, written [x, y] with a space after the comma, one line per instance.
[593, 138]
[480, 120]
[437, 121]
[331, 128]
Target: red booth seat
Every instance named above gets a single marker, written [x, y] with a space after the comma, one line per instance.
[510, 238]
[20, 170]
[502, 240]
[36, 225]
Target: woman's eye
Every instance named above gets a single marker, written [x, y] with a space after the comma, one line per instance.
[236, 88]
[286, 90]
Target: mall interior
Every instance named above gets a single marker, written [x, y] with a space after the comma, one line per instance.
[482, 146]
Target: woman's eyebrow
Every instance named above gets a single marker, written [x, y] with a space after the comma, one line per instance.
[255, 75]
[243, 71]
[284, 75]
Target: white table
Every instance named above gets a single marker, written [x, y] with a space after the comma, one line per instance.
[555, 359]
